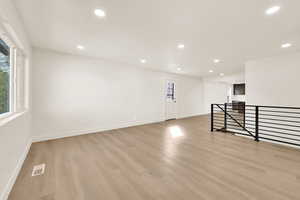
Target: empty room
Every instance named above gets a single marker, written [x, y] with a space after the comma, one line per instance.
[149, 100]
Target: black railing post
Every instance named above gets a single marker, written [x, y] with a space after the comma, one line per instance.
[212, 117]
[225, 117]
[244, 110]
[256, 124]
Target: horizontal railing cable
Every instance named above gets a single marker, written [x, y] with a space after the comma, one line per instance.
[279, 124]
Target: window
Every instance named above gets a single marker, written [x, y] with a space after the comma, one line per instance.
[13, 78]
[5, 78]
[170, 90]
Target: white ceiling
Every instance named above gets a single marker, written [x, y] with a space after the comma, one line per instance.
[233, 30]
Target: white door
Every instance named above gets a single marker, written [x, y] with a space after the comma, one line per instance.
[171, 103]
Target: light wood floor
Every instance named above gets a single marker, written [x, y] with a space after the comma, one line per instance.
[174, 160]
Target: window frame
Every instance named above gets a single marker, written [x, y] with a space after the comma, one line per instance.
[14, 81]
[10, 77]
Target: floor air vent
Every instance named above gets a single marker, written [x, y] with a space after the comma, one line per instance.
[38, 170]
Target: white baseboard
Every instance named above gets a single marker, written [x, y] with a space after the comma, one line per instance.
[90, 131]
[72, 133]
[14, 175]
[193, 115]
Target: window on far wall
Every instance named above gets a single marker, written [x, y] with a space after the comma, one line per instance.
[170, 91]
[5, 73]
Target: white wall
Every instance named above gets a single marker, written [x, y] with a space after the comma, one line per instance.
[15, 135]
[217, 89]
[74, 95]
[214, 92]
[274, 81]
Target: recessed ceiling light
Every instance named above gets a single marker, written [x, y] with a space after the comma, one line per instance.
[216, 60]
[210, 71]
[272, 10]
[286, 45]
[221, 74]
[100, 13]
[179, 69]
[180, 46]
[143, 61]
[80, 47]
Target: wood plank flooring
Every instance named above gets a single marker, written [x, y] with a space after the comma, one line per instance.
[175, 160]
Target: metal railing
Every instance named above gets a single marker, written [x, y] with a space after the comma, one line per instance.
[273, 123]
